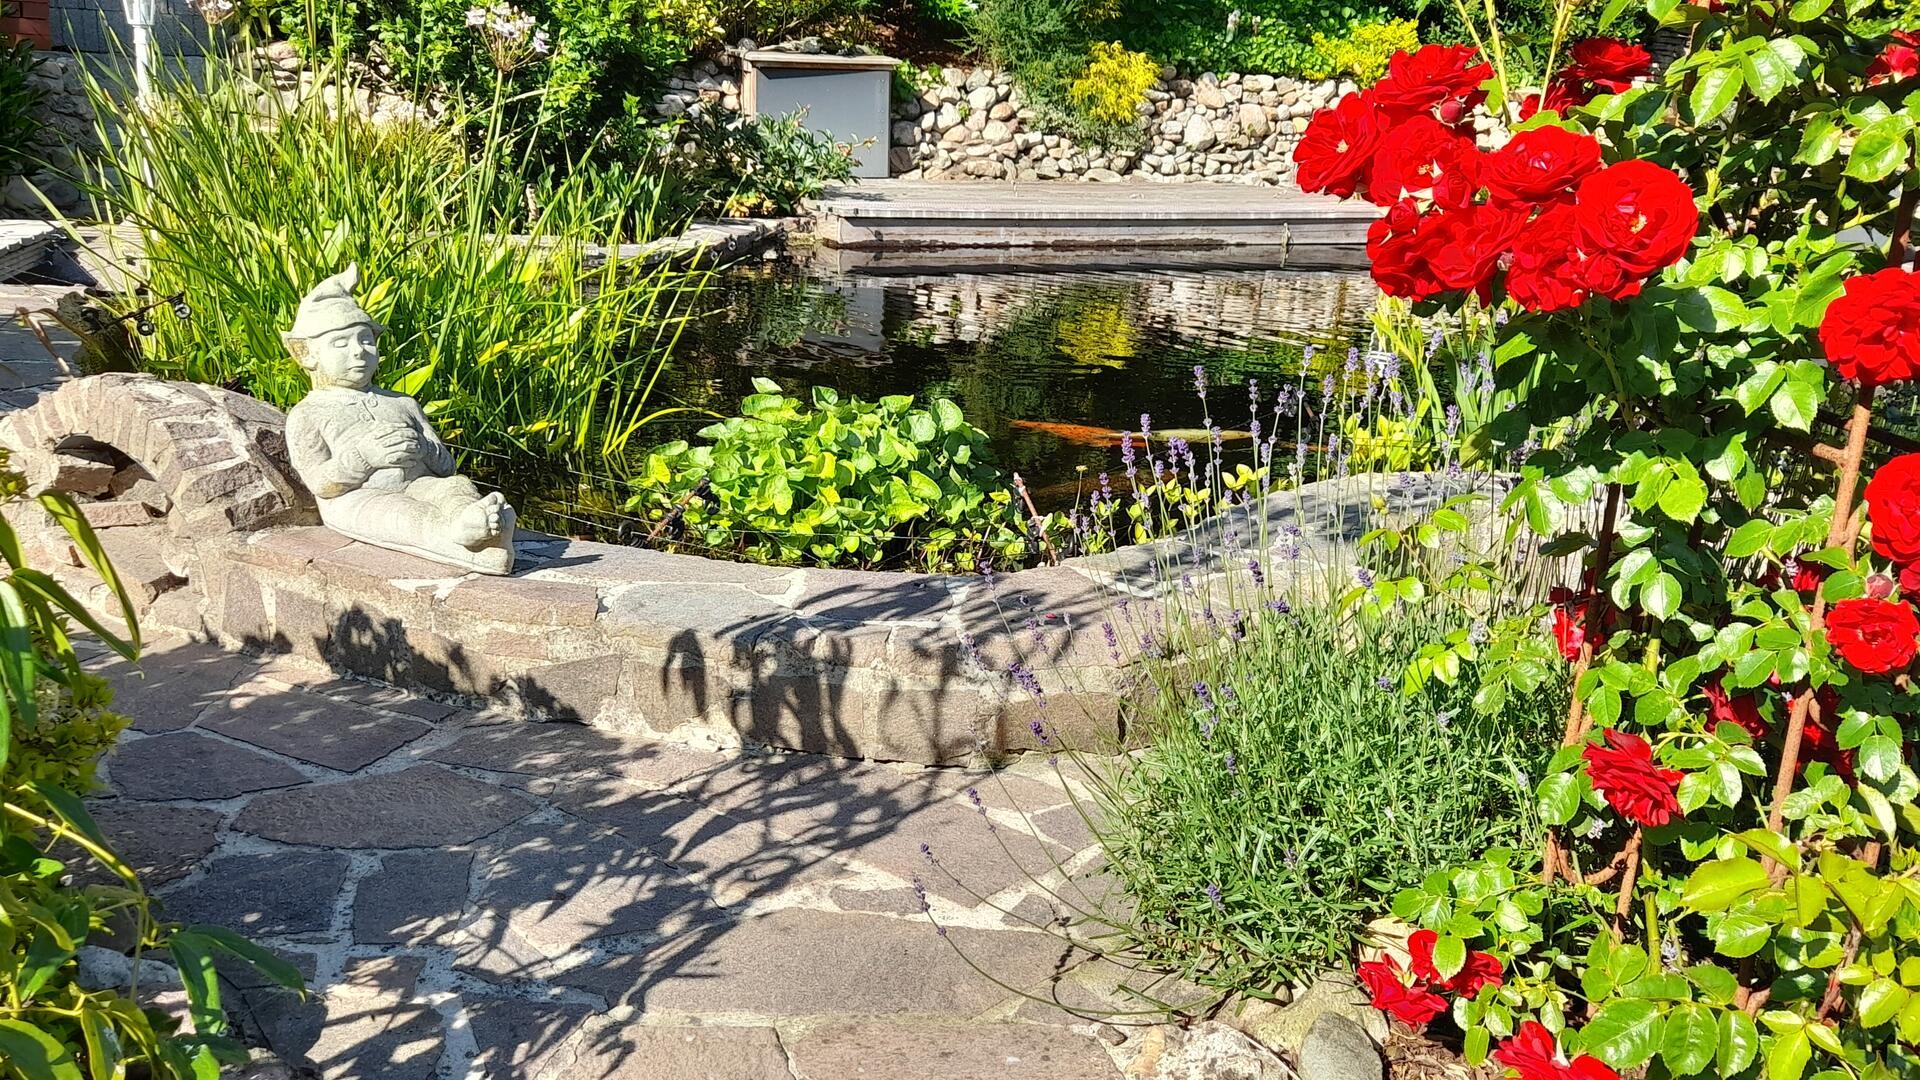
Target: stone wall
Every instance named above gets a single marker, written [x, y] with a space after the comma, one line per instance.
[189, 489]
[66, 124]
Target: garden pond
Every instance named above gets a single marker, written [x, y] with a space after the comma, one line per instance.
[1051, 364]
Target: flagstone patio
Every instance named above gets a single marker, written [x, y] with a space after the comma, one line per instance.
[474, 896]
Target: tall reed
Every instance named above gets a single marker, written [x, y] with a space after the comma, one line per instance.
[501, 313]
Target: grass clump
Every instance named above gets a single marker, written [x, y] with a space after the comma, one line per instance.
[1291, 788]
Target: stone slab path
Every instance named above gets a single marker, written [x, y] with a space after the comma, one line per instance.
[478, 897]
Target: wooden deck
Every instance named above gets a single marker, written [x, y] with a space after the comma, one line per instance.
[23, 243]
[922, 214]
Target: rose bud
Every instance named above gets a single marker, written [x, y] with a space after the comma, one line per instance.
[1879, 586]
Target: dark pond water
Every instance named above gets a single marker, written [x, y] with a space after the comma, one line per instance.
[1051, 364]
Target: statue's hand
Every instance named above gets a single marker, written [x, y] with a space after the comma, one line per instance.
[392, 449]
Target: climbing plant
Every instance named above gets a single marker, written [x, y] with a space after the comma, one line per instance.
[1701, 288]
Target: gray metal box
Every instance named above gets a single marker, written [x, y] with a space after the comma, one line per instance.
[848, 97]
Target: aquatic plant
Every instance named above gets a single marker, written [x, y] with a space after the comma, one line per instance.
[835, 483]
[507, 322]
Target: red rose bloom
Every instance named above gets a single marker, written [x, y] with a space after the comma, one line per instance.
[1398, 993]
[1875, 636]
[1637, 213]
[1424, 158]
[1481, 969]
[1724, 708]
[1817, 740]
[1396, 259]
[1608, 63]
[1871, 332]
[1807, 576]
[1463, 247]
[1533, 1054]
[1623, 772]
[1562, 94]
[1897, 62]
[1893, 509]
[1543, 274]
[1539, 166]
[1910, 581]
[1431, 77]
[1570, 624]
[1336, 152]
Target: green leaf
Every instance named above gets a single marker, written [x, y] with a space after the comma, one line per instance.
[1559, 797]
[1749, 539]
[1766, 73]
[1449, 955]
[36, 1054]
[1739, 1043]
[1711, 309]
[1716, 984]
[262, 960]
[1625, 1033]
[193, 956]
[1879, 758]
[1690, 1039]
[1661, 597]
[1796, 404]
[1713, 94]
[1787, 1057]
[1880, 149]
[1820, 141]
[1880, 1001]
[1717, 886]
[103, 1046]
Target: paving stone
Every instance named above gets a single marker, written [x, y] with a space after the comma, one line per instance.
[311, 727]
[883, 901]
[278, 893]
[777, 965]
[546, 890]
[919, 1051]
[162, 843]
[516, 1038]
[361, 1029]
[737, 860]
[560, 751]
[172, 684]
[425, 806]
[629, 1051]
[416, 897]
[189, 765]
[526, 600]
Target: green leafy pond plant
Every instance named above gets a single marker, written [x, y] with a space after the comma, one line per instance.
[836, 483]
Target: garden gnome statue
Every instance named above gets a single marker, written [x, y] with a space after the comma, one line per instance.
[370, 457]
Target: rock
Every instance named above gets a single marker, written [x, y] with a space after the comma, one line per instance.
[905, 133]
[1253, 120]
[1001, 111]
[109, 969]
[1209, 96]
[1198, 134]
[1334, 993]
[981, 99]
[947, 118]
[899, 159]
[1337, 1049]
[976, 79]
[1105, 176]
[996, 131]
[77, 475]
[1206, 1051]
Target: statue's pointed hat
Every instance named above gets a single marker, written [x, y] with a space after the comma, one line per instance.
[330, 306]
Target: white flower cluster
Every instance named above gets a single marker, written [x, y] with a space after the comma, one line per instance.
[215, 12]
[511, 36]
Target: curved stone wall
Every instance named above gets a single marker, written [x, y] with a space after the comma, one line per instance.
[889, 666]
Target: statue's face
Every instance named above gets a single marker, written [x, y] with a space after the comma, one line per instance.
[345, 357]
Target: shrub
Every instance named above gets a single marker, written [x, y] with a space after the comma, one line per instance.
[1290, 788]
[835, 483]
[19, 131]
[1363, 52]
[1043, 43]
[530, 344]
[1114, 84]
[741, 166]
[54, 725]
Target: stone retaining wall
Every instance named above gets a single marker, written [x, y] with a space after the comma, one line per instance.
[924, 668]
[66, 125]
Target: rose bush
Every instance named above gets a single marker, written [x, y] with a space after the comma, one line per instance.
[1697, 284]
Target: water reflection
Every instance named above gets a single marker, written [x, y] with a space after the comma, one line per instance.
[1052, 365]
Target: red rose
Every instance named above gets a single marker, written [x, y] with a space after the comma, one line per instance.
[1420, 82]
[1817, 740]
[1423, 158]
[1638, 213]
[1807, 576]
[1397, 992]
[1481, 969]
[1463, 247]
[1570, 624]
[1533, 1054]
[1336, 152]
[1623, 772]
[1910, 581]
[1608, 63]
[1543, 275]
[1898, 61]
[1541, 165]
[1871, 332]
[1893, 509]
[1562, 94]
[1875, 636]
[1724, 708]
[1396, 258]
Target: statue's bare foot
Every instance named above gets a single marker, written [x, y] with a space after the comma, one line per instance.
[481, 523]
